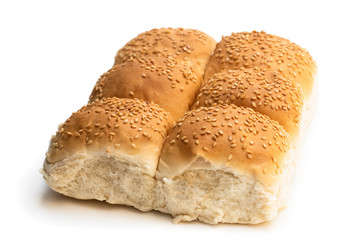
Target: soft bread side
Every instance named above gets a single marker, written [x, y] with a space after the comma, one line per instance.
[109, 150]
[200, 136]
[224, 164]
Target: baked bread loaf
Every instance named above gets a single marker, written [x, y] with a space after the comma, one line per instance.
[159, 65]
[224, 164]
[259, 49]
[184, 126]
[155, 79]
[286, 60]
[264, 91]
[109, 150]
[185, 44]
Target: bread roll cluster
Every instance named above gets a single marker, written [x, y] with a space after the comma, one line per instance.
[185, 126]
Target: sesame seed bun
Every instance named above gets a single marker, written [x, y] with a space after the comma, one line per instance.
[259, 49]
[185, 44]
[230, 155]
[208, 151]
[264, 91]
[167, 81]
[103, 142]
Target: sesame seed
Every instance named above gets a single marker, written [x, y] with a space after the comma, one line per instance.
[230, 157]
[205, 149]
[172, 142]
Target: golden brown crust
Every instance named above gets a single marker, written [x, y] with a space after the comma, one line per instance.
[227, 136]
[226, 144]
[166, 81]
[259, 49]
[263, 91]
[111, 125]
[185, 44]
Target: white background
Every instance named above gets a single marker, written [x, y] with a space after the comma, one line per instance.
[51, 54]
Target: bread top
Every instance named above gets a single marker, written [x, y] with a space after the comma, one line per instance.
[164, 80]
[228, 137]
[264, 91]
[115, 126]
[259, 49]
[185, 44]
